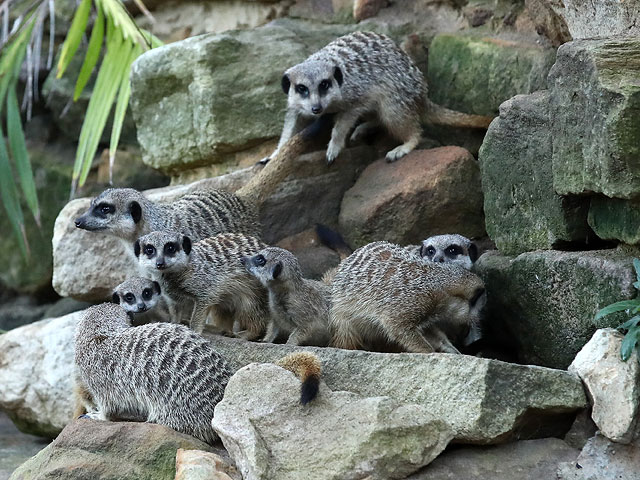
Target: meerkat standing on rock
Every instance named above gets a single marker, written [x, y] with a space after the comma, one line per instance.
[210, 273]
[161, 373]
[361, 75]
[384, 293]
[299, 307]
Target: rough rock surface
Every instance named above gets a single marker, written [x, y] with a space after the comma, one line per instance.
[200, 465]
[339, 436]
[613, 386]
[107, 450]
[475, 74]
[16, 447]
[88, 265]
[604, 18]
[547, 300]
[596, 80]
[36, 364]
[485, 401]
[615, 219]
[424, 193]
[314, 258]
[602, 459]
[547, 20]
[525, 460]
[522, 210]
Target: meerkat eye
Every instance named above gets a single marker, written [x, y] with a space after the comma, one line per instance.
[170, 248]
[302, 90]
[129, 298]
[431, 250]
[149, 250]
[324, 85]
[260, 261]
[146, 294]
[453, 250]
[105, 209]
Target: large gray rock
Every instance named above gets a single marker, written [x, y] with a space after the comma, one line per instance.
[16, 447]
[602, 459]
[36, 365]
[547, 300]
[425, 193]
[339, 436]
[88, 265]
[198, 101]
[107, 450]
[613, 386]
[596, 80]
[615, 219]
[603, 18]
[484, 401]
[201, 465]
[522, 210]
[525, 460]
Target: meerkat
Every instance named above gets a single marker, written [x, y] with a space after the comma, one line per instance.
[383, 293]
[160, 372]
[364, 75]
[138, 295]
[452, 248]
[210, 273]
[299, 307]
[306, 366]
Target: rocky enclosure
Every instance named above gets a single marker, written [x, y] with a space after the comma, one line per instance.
[553, 185]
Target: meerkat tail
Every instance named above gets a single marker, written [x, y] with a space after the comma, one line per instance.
[306, 366]
[261, 185]
[439, 115]
[332, 239]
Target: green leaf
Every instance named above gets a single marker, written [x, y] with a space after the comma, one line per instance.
[11, 59]
[9, 194]
[20, 154]
[636, 265]
[74, 35]
[617, 307]
[629, 324]
[629, 342]
[92, 56]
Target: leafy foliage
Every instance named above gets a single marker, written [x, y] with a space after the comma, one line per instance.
[631, 339]
[123, 42]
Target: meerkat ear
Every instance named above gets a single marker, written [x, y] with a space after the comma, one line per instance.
[156, 287]
[423, 249]
[136, 211]
[276, 270]
[337, 74]
[115, 298]
[136, 248]
[186, 244]
[286, 83]
[473, 252]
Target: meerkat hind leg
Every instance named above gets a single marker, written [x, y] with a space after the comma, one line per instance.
[272, 332]
[409, 336]
[401, 150]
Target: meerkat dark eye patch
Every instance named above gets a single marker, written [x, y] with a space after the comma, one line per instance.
[453, 251]
[259, 261]
[302, 90]
[149, 250]
[427, 251]
[286, 83]
[103, 209]
[337, 74]
[129, 298]
[170, 248]
[146, 294]
[324, 86]
[277, 270]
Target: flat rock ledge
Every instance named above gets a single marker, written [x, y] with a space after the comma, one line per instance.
[484, 401]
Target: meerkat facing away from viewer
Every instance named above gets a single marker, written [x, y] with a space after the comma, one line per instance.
[160, 372]
[299, 307]
[360, 75]
[382, 292]
[210, 273]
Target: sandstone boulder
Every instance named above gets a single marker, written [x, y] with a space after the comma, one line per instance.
[425, 193]
[613, 386]
[522, 210]
[338, 436]
[485, 401]
[547, 300]
[106, 450]
[201, 465]
[602, 459]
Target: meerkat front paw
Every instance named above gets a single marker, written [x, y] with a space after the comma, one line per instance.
[396, 153]
[332, 152]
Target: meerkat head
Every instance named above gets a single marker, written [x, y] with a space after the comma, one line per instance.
[116, 211]
[163, 251]
[312, 87]
[137, 294]
[454, 249]
[273, 264]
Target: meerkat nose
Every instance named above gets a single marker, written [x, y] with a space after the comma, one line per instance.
[79, 222]
[316, 109]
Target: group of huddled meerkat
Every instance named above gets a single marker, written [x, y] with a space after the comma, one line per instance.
[203, 254]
